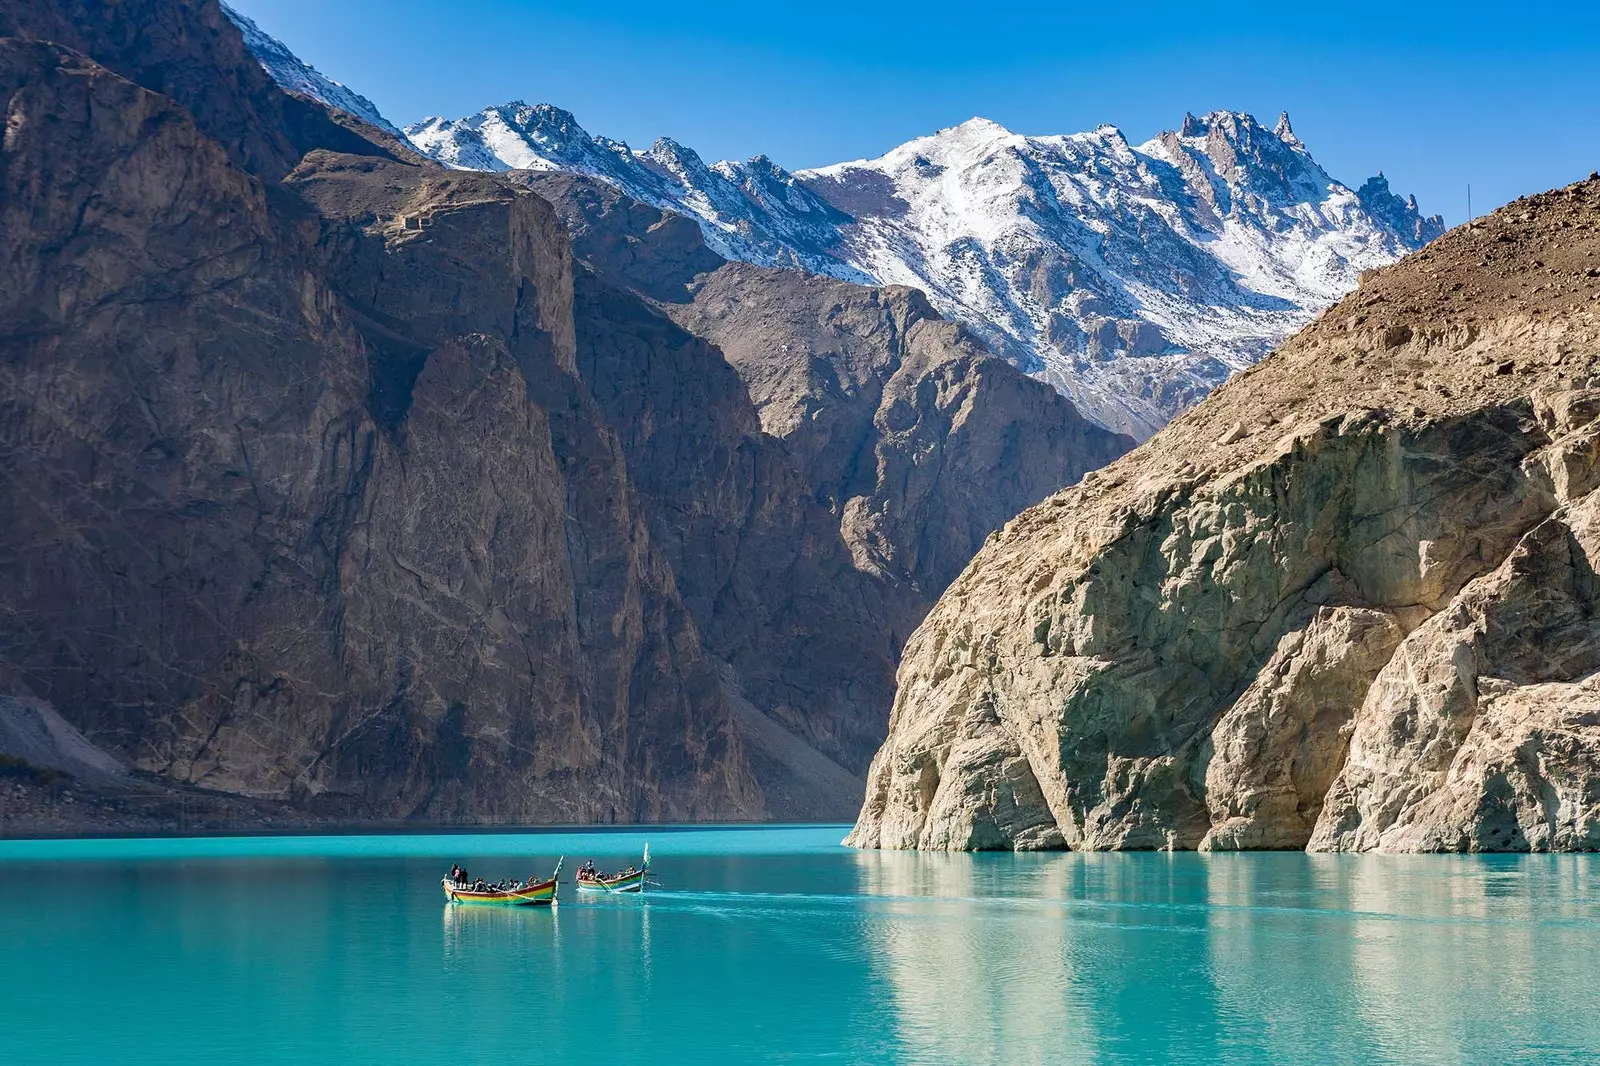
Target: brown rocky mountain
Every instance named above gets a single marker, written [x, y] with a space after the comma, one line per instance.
[1347, 603]
[335, 480]
[887, 444]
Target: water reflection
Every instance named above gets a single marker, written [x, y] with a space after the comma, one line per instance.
[974, 967]
[1237, 958]
[1454, 958]
[816, 954]
[473, 933]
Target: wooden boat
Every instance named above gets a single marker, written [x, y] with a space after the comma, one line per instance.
[625, 882]
[538, 894]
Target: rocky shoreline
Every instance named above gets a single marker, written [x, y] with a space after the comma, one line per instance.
[1347, 603]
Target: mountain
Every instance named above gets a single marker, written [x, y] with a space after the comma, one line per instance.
[342, 485]
[1347, 603]
[1134, 279]
[295, 75]
[754, 212]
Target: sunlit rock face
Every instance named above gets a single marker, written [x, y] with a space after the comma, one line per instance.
[1346, 603]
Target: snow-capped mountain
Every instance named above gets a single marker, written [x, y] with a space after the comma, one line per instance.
[1133, 278]
[294, 74]
[754, 211]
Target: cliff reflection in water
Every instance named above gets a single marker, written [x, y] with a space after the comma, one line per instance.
[976, 954]
[1239, 958]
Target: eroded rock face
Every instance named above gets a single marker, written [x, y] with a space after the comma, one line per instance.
[1277, 750]
[305, 497]
[1345, 603]
[819, 458]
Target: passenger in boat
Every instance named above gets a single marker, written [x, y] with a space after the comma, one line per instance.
[455, 874]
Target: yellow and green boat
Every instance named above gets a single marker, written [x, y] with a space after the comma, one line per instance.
[529, 894]
[631, 881]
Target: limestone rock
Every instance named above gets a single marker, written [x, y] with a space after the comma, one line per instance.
[1277, 750]
[1369, 625]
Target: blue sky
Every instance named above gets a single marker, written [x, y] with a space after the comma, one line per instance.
[1436, 95]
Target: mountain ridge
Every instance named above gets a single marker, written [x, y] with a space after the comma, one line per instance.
[1134, 279]
[294, 74]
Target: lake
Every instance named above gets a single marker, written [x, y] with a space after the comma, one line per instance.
[774, 944]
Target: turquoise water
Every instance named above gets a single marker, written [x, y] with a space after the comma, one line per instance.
[775, 945]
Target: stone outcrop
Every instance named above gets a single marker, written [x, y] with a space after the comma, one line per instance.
[1347, 603]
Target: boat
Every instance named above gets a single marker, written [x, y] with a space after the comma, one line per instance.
[633, 881]
[528, 894]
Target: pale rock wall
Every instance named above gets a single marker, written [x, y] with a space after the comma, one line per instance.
[1347, 603]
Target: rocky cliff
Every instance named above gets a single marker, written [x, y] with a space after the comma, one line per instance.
[314, 506]
[1347, 603]
[334, 479]
[875, 446]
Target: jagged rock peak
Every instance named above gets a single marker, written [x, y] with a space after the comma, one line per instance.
[1285, 132]
[1237, 127]
[1399, 212]
[670, 153]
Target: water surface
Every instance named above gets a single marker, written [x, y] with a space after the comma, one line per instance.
[774, 944]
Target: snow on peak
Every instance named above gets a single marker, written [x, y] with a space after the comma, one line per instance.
[979, 127]
[1134, 279]
[753, 211]
[292, 73]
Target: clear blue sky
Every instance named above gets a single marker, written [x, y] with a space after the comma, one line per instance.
[1505, 96]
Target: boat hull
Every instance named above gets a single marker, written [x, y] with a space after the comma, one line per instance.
[542, 894]
[627, 883]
